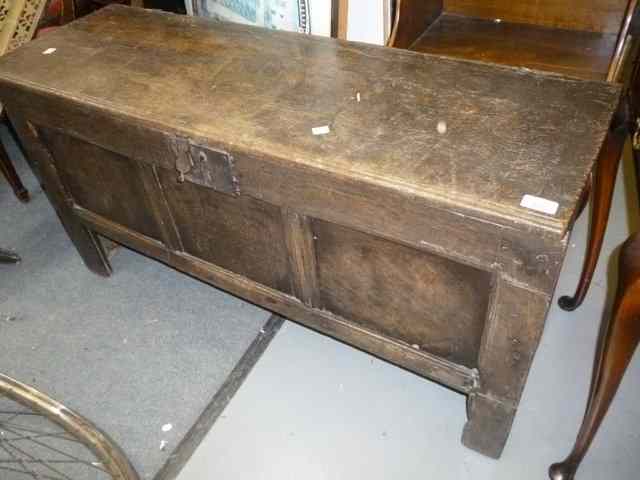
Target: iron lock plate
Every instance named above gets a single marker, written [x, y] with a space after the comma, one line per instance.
[207, 167]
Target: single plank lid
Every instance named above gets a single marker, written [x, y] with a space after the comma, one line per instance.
[508, 145]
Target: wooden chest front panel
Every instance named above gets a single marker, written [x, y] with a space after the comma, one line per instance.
[102, 181]
[432, 303]
[240, 234]
[416, 297]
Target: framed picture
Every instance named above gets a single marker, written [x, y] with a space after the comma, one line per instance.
[291, 15]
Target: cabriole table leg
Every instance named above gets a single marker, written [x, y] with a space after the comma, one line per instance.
[618, 341]
[603, 182]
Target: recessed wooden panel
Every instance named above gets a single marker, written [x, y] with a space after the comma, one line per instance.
[569, 52]
[240, 234]
[102, 181]
[401, 292]
[592, 15]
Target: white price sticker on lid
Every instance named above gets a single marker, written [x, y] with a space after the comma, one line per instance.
[539, 204]
[323, 130]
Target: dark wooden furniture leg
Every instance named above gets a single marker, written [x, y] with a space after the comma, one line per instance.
[617, 343]
[584, 198]
[603, 183]
[8, 257]
[11, 175]
[504, 361]
[636, 161]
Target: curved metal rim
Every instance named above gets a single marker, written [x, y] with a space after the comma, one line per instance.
[112, 457]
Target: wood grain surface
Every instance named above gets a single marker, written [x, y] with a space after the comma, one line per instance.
[412, 18]
[509, 132]
[402, 292]
[590, 15]
[101, 181]
[243, 235]
[576, 53]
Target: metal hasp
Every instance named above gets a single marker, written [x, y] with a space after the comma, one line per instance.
[207, 167]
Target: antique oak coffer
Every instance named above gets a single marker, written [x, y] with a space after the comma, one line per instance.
[413, 206]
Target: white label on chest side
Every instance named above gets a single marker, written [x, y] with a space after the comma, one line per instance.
[539, 204]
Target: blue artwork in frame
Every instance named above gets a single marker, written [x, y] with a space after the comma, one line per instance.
[291, 15]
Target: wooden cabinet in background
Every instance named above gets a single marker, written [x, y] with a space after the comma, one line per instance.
[582, 38]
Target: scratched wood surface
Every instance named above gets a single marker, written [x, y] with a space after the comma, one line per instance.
[509, 132]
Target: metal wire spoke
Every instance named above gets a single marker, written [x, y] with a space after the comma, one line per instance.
[44, 463]
[17, 414]
[42, 439]
[14, 410]
[34, 460]
[18, 432]
[61, 452]
[59, 434]
[19, 460]
[15, 470]
[71, 459]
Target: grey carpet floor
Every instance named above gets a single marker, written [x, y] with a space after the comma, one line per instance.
[147, 347]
